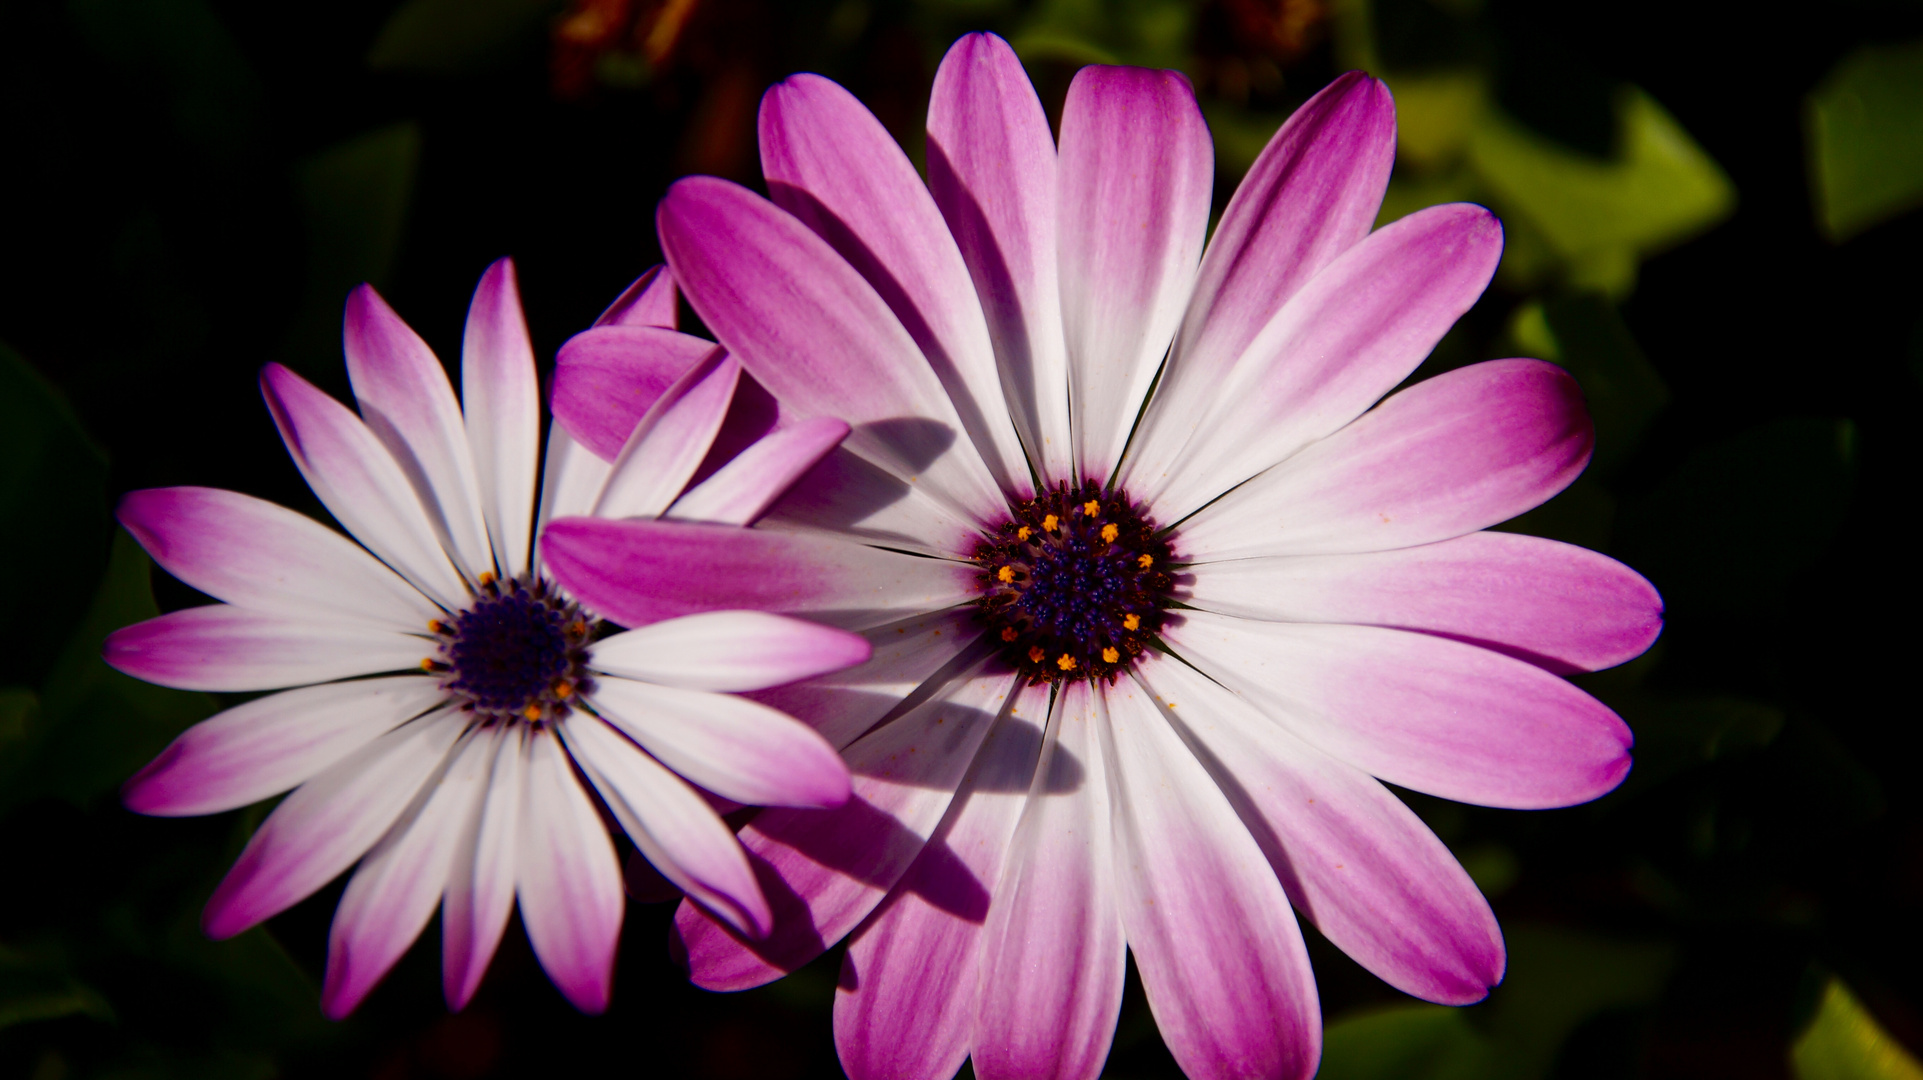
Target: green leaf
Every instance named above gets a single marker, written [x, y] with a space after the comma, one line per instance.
[1435, 113]
[459, 37]
[355, 197]
[1845, 1042]
[99, 726]
[37, 986]
[1731, 527]
[53, 519]
[1404, 1042]
[1864, 128]
[1583, 333]
[1148, 33]
[1556, 980]
[1601, 217]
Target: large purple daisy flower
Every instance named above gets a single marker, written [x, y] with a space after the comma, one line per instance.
[459, 785]
[1162, 588]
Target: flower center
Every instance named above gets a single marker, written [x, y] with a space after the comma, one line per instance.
[1074, 584]
[517, 653]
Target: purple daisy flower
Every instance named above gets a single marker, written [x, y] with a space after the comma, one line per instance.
[461, 785]
[1162, 588]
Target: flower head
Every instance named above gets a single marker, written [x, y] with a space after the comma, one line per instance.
[1162, 588]
[448, 699]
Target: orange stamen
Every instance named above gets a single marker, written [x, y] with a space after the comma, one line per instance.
[1005, 575]
[1110, 532]
[1111, 654]
[1008, 633]
[1035, 654]
[1131, 621]
[1065, 662]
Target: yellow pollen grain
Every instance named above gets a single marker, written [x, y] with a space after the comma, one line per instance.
[564, 690]
[487, 577]
[1005, 575]
[427, 663]
[1009, 634]
[1065, 662]
[435, 626]
[1145, 561]
[1091, 508]
[1111, 654]
[1110, 532]
[1049, 523]
[1131, 621]
[1035, 654]
[532, 712]
[1024, 533]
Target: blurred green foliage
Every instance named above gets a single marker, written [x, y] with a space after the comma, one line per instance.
[1844, 1042]
[1556, 981]
[1865, 131]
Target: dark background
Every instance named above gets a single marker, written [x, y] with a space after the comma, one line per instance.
[188, 189]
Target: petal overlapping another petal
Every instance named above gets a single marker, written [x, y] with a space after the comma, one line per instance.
[641, 572]
[672, 826]
[817, 335]
[739, 492]
[906, 1006]
[607, 378]
[737, 748]
[649, 301]
[832, 165]
[824, 870]
[668, 444]
[729, 651]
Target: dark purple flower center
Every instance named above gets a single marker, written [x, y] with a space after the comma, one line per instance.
[1074, 584]
[517, 653]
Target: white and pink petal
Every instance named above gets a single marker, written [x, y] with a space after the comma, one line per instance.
[1448, 456]
[263, 747]
[1419, 711]
[224, 648]
[641, 572]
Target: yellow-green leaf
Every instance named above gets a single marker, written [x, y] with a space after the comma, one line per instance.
[1845, 1042]
[1865, 131]
[1602, 216]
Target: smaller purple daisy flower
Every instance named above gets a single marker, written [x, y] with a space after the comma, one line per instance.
[458, 725]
